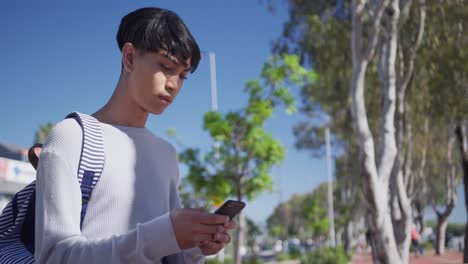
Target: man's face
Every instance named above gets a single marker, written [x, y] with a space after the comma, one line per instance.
[155, 80]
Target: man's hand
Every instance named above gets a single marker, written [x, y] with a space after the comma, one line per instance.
[219, 240]
[194, 226]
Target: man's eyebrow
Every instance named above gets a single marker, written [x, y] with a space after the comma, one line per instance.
[175, 61]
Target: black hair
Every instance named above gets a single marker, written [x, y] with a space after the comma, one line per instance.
[155, 29]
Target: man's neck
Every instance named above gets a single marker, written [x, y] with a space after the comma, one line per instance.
[121, 109]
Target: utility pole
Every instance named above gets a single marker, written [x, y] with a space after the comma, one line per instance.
[214, 107]
[331, 214]
[214, 90]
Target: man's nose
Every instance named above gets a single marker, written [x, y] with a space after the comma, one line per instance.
[173, 84]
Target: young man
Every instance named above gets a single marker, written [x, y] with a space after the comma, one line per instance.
[134, 215]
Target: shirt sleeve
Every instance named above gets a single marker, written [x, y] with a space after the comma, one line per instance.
[58, 236]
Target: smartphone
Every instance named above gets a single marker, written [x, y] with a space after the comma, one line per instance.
[230, 208]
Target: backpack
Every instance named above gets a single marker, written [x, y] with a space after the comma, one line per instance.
[17, 220]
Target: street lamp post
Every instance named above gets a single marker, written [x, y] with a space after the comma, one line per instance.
[331, 214]
[214, 107]
[214, 90]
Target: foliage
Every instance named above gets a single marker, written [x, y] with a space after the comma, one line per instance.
[42, 133]
[315, 214]
[239, 163]
[253, 231]
[283, 256]
[216, 261]
[303, 216]
[456, 229]
[252, 260]
[326, 256]
[319, 33]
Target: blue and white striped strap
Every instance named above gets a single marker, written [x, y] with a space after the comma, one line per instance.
[91, 159]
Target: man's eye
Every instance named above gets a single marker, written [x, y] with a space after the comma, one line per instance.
[165, 67]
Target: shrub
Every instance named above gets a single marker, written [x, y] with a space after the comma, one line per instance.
[215, 261]
[325, 256]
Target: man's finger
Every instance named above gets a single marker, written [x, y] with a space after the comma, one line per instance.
[230, 225]
[213, 246]
[210, 229]
[223, 238]
[202, 237]
[212, 219]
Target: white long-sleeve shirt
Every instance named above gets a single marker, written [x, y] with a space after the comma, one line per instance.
[127, 219]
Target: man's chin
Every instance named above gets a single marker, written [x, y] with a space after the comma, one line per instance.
[158, 111]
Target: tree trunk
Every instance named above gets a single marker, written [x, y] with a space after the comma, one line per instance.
[419, 184]
[465, 251]
[239, 239]
[440, 234]
[402, 227]
[384, 248]
[463, 146]
[419, 215]
[348, 196]
[402, 178]
[452, 184]
[376, 176]
[347, 237]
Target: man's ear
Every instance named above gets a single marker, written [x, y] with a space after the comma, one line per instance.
[128, 56]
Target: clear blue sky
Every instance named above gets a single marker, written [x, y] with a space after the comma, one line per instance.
[61, 56]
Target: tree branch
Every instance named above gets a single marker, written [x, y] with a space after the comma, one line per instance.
[356, 35]
[375, 29]
[438, 213]
[387, 136]
[412, 57]
[246, 164]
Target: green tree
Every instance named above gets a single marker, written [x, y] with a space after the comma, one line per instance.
[191, 198]
[288, 219]
[348, 197]
[315, 214]
[324, 39]
[253, 232]
[440, 105]
[41, 134]
[443, 180]
[320, 33]
[239, 164]
[305, 215]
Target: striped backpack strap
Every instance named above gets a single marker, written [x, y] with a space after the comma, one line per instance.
[92, 158]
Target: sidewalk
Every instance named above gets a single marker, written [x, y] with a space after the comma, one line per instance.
[429, 257]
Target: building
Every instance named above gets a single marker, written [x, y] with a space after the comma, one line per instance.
[15, 171]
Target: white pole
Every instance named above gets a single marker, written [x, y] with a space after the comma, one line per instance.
[214, 107]
[214, 95]
[331, 213]
[280, 183]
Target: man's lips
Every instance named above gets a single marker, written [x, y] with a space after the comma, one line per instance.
[168, 99]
